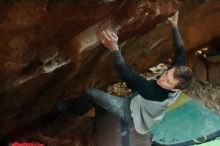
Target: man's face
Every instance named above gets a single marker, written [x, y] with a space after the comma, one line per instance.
[167, 81]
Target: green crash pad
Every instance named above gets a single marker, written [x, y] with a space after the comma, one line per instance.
[215, 142]
[186, 123]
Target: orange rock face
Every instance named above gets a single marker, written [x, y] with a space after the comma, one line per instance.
[49, 52]
[156, 46]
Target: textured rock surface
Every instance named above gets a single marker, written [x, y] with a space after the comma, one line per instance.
[197, 33]
[200, 68]
[49, 52]
[214, 71]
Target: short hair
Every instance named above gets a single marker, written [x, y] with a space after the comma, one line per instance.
[185, 77]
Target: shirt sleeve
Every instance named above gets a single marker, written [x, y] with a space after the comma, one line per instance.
[179, 55]
[146, 88]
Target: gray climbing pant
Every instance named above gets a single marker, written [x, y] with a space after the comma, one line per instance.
[116, 105]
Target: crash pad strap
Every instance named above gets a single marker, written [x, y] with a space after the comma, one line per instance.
[124, 133]
[215, 142]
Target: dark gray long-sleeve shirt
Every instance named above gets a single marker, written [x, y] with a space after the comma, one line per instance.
[148, 89]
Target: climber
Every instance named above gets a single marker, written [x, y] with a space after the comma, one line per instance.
[148, 105]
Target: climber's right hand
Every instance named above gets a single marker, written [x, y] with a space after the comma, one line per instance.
[108, 39]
